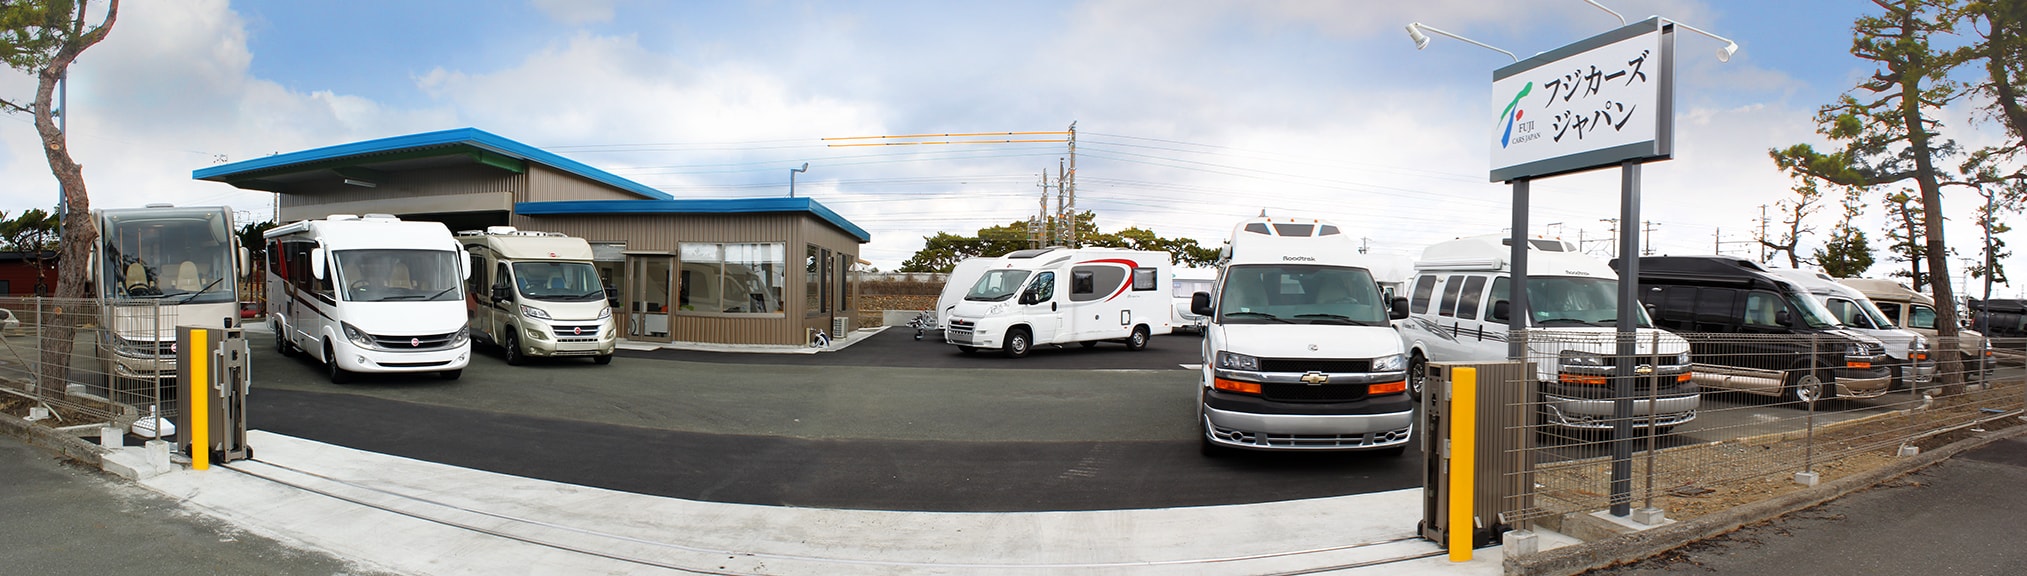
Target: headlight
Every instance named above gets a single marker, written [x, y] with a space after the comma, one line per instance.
[135, 348]
[1854, 349]
[1586, 359]
[461, 336]
[1920, 343]
[1230, 361]
[1394, 363]
[604, 313]
[357, 336]
[1682, 359]
[533, 312]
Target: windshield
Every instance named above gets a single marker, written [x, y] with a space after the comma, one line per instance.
[180, 256]
[1857, 313]
[1813, 313]
[997, 285]
[558, 281]
[1300, 294]
[1575, 301]
[398, 275]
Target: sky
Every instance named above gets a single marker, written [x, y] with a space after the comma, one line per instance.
[1191, 115]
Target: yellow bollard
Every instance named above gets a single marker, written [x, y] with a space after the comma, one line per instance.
[200, 383]
[1463, 460]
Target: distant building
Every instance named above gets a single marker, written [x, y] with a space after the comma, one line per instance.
[739, 271]
[28, 273]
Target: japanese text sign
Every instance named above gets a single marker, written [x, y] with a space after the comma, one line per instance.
[1595, 103]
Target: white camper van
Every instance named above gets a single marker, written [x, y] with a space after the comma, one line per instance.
[1916, 312]
[958, 283]
[537, 294]
[1458, 313]
[1061, 295]
[371, 294]
[1911, 364]
[1298, 353]
[1188, 282]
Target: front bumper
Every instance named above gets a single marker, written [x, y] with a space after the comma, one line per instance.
[1256, 431]
[354, 358]
[567, 338]
[1863, 382]
[1593, 414]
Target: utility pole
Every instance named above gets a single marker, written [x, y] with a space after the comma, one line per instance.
[1363, 244]
[1069, 183]
[1066, 222]
[1763, 234]
[1614, 231]
[1647, 237]
[1038, 229]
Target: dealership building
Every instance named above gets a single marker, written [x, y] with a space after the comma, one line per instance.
[685, 270]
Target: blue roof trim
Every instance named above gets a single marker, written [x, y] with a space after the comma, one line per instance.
[708, 206]
[468, 136]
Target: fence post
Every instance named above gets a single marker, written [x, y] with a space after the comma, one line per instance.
[1653, 398]
[1808, 477]
[35, 369]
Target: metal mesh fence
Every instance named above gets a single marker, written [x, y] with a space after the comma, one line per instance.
[1674, 417]
[119, 365]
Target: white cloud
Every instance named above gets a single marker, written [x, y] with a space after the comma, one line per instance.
[576, 12]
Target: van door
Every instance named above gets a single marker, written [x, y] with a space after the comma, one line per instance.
[1042, 309]
[1760, 316]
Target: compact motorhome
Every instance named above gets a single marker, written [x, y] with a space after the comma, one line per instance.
[958, 283]
[1298, 350]
[1458, 313]
[182, 265]
[537, 294]
[1062, 295]
[1916, 312]
[1754, 331]
[369, 294]
[1910, 361]
[1188, 282]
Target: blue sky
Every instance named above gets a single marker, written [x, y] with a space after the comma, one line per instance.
[1192, 114]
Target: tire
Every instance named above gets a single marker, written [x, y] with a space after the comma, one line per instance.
[338, 374]
[1017, 343]
[511, 345]
[1088, 343]
[602, 359]
[1418, 374]
[1805, 387]
[967, 350]
[281, 340]
[451, 374]
[1138, 341]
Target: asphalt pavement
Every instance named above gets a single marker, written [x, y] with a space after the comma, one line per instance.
[1962, 517]
[64, 519]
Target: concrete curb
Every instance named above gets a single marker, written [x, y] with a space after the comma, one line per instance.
[1588, 556]
[46, 438]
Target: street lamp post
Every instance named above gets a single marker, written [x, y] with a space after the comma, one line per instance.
[791, 177]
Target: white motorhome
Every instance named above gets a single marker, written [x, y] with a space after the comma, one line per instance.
[158, 267]
[371, 294]
[1916, 312]
[1298, 353]
[536, 294]
[1062, 295]
[1458, 313]
[1911, 365]
[1188, 282]
[956, 284]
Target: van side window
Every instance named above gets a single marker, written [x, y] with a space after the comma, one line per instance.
[1467, 304]
[1044, 287]
[1090, 283]
[1081, 282]
[1891, 309]
[1425, 288]
[477, 285]
[1714, 309]
[1143, 279]
[1846, 312]
[1921, 316]
[1762, 308]
[501, 277]
[1501, 291]
[1677, 307]
[1451, 288]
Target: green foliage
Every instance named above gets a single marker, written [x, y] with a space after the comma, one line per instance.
[1905, 242]
[250, 237]
[1847, 254]
[39, 34]
[1796, 213]
[33, 230]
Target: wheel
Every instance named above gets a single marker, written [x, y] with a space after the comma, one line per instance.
[1803, 387]
[511, 345]
[1418, 373]
[967, 349]
[1016, 343]
[451, 374]
[602, 359]
[281, 340]
[339, 375]
[1138, 341]
[1088, 343]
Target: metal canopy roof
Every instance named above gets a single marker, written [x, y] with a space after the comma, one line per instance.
[371, 158]
[704, 206]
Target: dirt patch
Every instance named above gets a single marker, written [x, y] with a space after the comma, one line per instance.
[66, 412]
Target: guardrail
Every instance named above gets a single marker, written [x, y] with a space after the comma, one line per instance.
[117, 368]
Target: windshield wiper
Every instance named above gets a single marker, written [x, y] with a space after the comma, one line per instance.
[1337, 317]
[415, 297]
[206, 288]
[1574, 320]
[1261, 315]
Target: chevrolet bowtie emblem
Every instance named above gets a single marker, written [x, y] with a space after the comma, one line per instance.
[1644, 370]
[1315, 378]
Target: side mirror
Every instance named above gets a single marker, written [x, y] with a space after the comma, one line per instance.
[245, 262]
[1501, 311]
[1026, 297]
[500, 293]
[1400, 308]
[1782, 318]
[1200, 304]
[1653, 313]
[317, 262]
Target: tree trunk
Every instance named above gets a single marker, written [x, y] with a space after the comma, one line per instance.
[1932, 222]
[74, 247]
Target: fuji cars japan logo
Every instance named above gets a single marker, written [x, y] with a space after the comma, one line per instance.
[414, 341]
[1509, 115]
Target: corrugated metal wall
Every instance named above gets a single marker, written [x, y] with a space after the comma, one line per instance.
[548, 184]
[482, 184]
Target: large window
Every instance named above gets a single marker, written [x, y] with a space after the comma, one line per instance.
[186, 255]
[812, 281]
[732, 278]
[397, 275]
[1300, 294]
[559, 281]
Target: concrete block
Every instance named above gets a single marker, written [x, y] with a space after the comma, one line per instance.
[1808, 478]
[1650, 516]
[1909, 450]
[112, 437]
[37, 413]
[1602, 524]
[158, 455]
[1520, 542]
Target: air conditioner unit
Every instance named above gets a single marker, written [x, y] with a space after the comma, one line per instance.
[839, 326]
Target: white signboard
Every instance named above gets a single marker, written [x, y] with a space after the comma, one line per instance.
[1591, 104]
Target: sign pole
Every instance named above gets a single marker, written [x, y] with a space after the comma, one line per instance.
[1629, 315]
[1516, 308]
